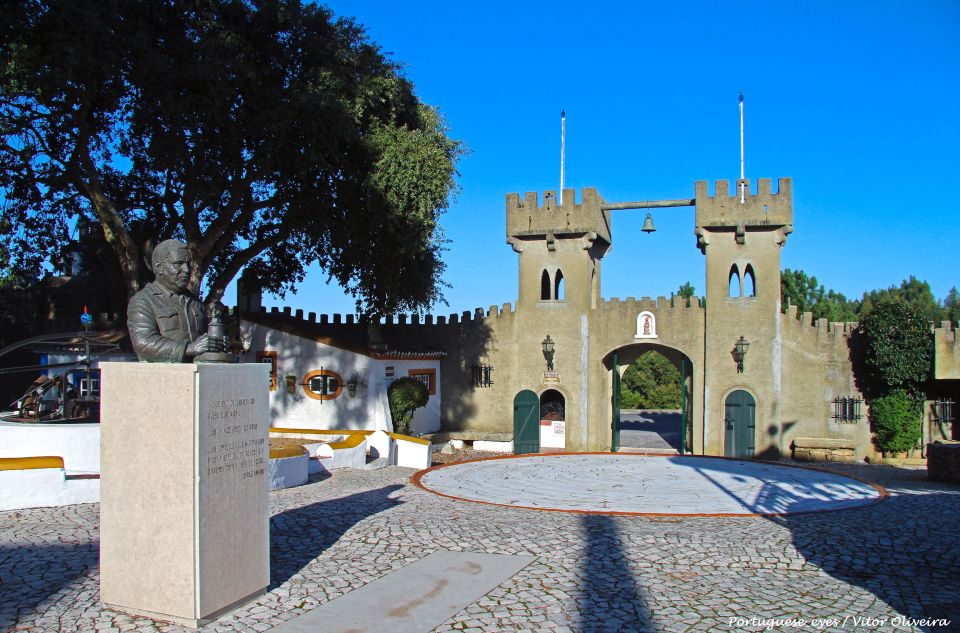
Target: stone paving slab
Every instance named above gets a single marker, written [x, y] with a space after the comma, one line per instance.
[641, 484]
[413, 599]
[884, 567]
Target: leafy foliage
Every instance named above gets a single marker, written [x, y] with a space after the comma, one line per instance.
[267, 135]
[898, 352]
[912, 292]
[686, 291]
[651, 382]
[797, 289]
[896, 422]
[405, 395]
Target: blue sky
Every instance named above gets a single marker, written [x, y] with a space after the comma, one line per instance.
[857, 102]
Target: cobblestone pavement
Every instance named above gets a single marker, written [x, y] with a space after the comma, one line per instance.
[888, 562]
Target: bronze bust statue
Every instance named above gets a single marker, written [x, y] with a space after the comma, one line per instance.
[166, 320]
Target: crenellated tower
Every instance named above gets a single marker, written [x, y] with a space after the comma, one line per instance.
[741, 234]
[560, 247]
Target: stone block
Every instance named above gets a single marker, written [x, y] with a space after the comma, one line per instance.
[943, 462]
[184, 511]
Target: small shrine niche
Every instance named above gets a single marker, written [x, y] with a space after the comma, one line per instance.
[646, 325]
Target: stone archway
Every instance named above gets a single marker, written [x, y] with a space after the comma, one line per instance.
[675, 430]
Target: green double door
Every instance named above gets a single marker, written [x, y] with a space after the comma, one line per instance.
[740, 417]
[526, 423]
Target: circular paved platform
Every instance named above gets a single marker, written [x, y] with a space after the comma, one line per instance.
[646, 484]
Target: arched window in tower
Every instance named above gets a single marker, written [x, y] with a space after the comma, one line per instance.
[749, 282]
[545, 286]
[734, 289]
[558, 287]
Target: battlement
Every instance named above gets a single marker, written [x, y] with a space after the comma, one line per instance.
[762, 208]
[821, 328]
[646, 303]
[413, 320]
[528, 219]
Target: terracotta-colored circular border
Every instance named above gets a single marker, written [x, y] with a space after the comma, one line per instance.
[882, 493]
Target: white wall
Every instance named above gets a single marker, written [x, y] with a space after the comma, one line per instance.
[77, 444]
[368, 409]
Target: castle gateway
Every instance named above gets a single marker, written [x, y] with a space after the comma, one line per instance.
[495, 367]
[546, 372]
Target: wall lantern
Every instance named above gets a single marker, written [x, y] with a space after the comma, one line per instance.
[740, 352]
[648, 226]
[548, 352]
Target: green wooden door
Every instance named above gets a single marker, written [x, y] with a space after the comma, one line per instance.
[740, 416]
[526, 423]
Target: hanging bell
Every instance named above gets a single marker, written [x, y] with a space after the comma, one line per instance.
[648, 226]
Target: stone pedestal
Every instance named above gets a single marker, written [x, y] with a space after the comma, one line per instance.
[184, 511]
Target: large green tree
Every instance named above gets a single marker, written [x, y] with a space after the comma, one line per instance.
[913, 292]
[266, 134]
[651, 382]
[898, 353]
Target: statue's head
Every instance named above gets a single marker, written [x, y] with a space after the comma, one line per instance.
[171, 265]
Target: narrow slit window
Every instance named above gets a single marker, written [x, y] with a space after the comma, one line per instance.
[545, 286]
[749, 282]
[734, 288]
[558, 287]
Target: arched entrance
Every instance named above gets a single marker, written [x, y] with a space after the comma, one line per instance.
[667, 429]
[740, 422]
[552, 420]
[526, 422]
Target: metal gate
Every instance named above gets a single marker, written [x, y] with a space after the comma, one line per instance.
[741, 424]
[526, 423]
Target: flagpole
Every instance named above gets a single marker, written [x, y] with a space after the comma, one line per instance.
[563, 148]
[742, 172]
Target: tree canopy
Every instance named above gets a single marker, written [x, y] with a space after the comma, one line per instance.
[797, 289]
[266, 134]
[899, 348]
[651, 382]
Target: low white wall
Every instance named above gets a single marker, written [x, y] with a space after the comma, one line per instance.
[413, 454]
[77, 444]
[287, 472]
[44, 487]
[333, 459]
[493, 447]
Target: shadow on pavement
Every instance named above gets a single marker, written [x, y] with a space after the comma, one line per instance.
[904, 551]
[299, 535]
[29, 574]
[610, 599]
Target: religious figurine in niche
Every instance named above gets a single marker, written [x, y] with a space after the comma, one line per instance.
[646, 326]
[166, 320]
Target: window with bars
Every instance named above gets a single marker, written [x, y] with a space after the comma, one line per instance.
[847, 409]
[943, 411]
[482, 375]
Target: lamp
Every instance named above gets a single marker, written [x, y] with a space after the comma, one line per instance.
[648, 226]
[740, 352]
[548, 351]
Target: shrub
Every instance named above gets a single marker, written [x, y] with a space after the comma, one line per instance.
[896, 422]
[405, 395]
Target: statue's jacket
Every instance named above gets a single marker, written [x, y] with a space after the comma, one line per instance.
[162, 323]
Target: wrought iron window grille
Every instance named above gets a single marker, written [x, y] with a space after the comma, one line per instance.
[943, 412]
[482, 376]
[847, 409]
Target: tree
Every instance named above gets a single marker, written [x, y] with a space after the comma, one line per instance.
[797, 289]
[686, 291]
[898, 353]
[265, 134]
[951, 306]
[651, 382]
[913, 292]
